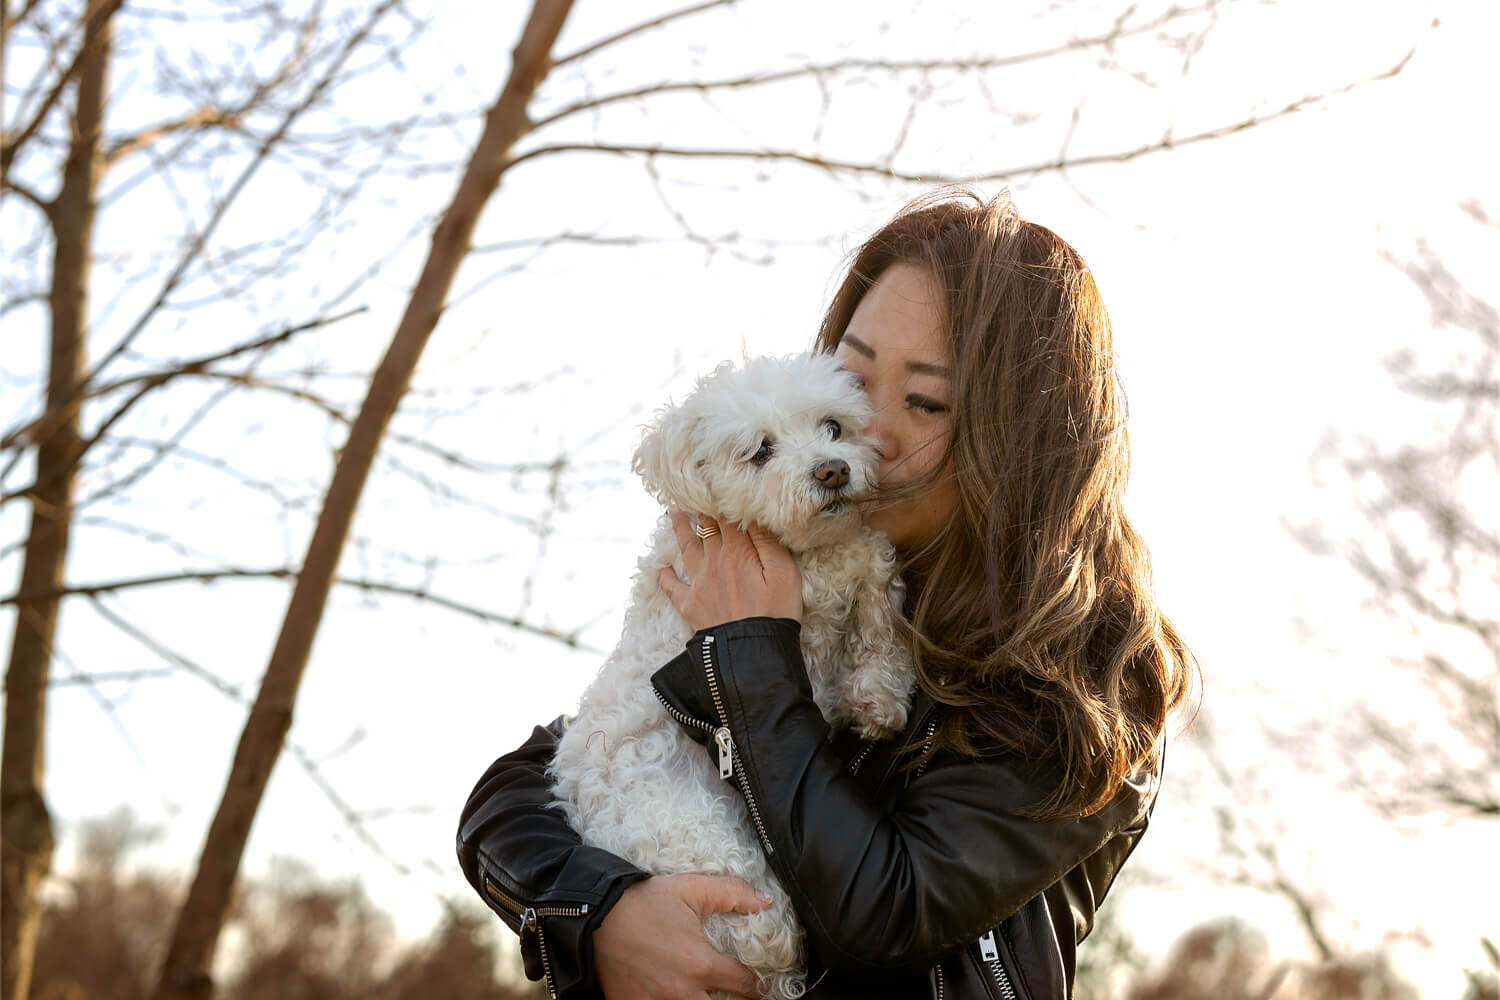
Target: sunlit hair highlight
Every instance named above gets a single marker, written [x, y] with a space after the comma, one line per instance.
[1031, 613]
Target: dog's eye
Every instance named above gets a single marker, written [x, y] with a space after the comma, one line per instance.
[833, 428]
[763, 454]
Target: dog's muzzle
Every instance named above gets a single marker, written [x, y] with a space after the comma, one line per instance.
[833, 476]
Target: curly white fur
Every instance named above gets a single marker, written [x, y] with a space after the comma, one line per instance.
[630, 779]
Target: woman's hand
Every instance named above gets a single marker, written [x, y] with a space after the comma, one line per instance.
[651, 943]
[736, 573]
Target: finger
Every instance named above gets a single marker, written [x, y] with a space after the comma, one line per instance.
[672, 586]
[760, 535]
[721, 894]
[768, 547]
[688, 543]
[712, 542]
[682, 528]
[737, 542]
[725, 974]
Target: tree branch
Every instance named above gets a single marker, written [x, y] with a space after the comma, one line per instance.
[310, 767]
[1165, 143]
[108, 676]
[202, 118]
[38, 430]
[96, 18]
[260, 156]
[893, 66]
[44, 206]
[620, 36]
[93, 590]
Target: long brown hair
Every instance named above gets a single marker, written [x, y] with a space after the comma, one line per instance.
[1032, 616]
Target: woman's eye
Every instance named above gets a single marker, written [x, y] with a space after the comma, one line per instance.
[857, 380]
[763, 453]
[833, 428]
[915, 402]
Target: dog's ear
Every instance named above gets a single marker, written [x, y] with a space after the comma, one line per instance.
[667, 461]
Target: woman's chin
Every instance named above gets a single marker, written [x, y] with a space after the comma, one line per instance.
[889, 522]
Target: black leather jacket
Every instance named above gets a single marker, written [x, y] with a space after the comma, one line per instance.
[909, 881]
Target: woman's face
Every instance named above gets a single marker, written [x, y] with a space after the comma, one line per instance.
[897, 343]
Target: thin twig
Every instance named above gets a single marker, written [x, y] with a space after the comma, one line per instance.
[619, 36]
[569, 639]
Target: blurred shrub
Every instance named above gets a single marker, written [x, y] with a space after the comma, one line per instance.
[104, 932]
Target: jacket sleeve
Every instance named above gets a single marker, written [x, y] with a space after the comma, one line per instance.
[528, 865]
[903, 884]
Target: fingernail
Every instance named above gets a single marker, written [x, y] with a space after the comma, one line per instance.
[764, 898]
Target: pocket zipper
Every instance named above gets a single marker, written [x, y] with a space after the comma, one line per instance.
[990, 952]
[531, 920]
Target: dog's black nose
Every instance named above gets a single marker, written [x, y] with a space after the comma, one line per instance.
[833, 473]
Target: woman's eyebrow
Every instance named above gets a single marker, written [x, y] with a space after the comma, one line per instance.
[922, 367]
[858, 345]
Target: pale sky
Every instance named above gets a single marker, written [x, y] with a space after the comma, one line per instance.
[1251, 305]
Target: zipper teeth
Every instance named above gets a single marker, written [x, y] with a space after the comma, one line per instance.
[519, 908]
[927, 748]
[687, 720]
[1007, 992]
[939, 969]
[530, 917]
[744, 782]
[859, 758]
[713, 683]
[990, 956]
[541, 941]
[682, 718]
[739, 766]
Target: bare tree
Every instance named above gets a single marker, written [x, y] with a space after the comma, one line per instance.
[25, 827]
[57, 152]
[274, 113]
[1422, 539]
[1421, 742]
[186, 970]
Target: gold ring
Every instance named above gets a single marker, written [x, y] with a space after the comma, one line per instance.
[708, 532]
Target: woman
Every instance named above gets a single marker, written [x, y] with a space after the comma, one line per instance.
[967, 857]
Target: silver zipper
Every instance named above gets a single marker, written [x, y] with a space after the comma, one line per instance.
[990, 952]
[518, 909]
[530, 917]
[937, 971]
[730, 764]
[859, 758]
[530, 921]
[682, 718]
[926, 748]
[722, 738]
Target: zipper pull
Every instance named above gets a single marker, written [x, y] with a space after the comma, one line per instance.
[725, 742]
[987, 949]
[528, 919]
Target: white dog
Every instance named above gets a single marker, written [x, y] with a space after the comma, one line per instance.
[778, 442]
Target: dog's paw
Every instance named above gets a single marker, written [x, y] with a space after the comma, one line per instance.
[877, 702]
[877, 718]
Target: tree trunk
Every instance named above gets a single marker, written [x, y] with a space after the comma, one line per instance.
[25, 827]
[186, 973]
